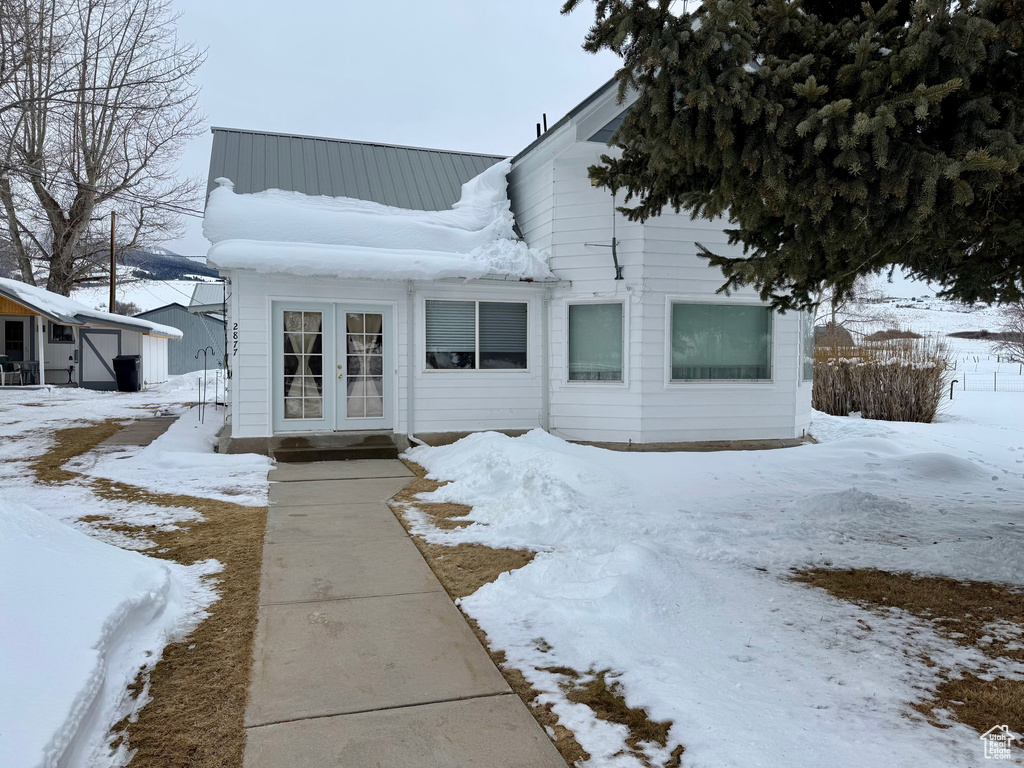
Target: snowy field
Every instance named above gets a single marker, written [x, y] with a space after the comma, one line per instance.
[80, 613]
[671, 570]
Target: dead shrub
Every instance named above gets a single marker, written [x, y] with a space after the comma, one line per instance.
[892, 333]
[894, 380]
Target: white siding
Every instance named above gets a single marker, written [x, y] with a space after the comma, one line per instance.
[558, 209]
[444, 401]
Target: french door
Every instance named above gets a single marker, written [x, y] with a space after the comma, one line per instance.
[363, 395]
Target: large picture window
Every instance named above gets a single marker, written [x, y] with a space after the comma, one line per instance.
[720, 341]
[595, 342]
[476, 335]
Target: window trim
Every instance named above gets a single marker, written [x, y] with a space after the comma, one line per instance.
[52, 340]
[744, 301]
[476, 337]
[598, 383]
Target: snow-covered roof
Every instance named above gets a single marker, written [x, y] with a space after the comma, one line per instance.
[65, 311]
[277, 231]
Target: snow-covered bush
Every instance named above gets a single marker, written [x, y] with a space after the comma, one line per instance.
[894, 380]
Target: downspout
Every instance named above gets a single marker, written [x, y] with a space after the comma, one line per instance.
[545, 364]
[410, 347]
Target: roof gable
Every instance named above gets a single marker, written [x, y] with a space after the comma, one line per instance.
[403, 177]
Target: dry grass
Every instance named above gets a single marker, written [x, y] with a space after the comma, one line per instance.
[199, 689]
[892, 333]
[895, 380]
[463, 569]
[964, 612]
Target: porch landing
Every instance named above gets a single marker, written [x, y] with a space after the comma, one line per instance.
[361, 659]
[335, 446]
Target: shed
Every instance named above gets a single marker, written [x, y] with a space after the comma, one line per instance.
[199, 331]
[46, 338]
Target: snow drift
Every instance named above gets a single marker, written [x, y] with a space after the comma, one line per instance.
[280, 231]
[78, 619]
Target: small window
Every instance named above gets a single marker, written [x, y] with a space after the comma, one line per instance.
[61, 334]
[476, 335]
[595, 342]
[721, 342]
[807, 345]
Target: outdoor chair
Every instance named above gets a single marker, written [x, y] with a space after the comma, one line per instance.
[10, 373]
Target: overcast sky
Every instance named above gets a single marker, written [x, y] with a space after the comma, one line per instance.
[471, 75]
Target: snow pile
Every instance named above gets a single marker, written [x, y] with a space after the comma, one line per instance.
[672, 571]
[74, 313]
[78, 620]
[182, 460]
[279, 231]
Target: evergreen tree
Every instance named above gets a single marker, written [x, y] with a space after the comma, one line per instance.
[839, 138]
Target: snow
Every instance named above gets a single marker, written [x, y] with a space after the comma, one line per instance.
[64, 308]
[672, 571]
[183, 457]
[79, 619]
[79, 616]
[145, 294]
[281, 231]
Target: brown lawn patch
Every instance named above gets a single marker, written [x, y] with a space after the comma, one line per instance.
[981, 615]
[463, 569]
[603, 694]
[199, 689]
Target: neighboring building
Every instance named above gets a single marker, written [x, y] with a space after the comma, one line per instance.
[208, 299]
[52, 339]
[199, 331]
[420, 318]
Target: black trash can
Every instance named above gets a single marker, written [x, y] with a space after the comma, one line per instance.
[128, 370]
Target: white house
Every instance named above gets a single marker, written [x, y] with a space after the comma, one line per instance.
[46, 338]
[376, 287]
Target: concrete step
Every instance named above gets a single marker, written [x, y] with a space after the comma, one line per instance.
[339, 446]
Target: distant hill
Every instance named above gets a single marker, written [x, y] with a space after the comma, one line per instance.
[162, 264]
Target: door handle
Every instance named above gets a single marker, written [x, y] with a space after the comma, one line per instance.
[341, 372]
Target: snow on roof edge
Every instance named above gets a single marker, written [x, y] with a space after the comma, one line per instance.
[66, 311]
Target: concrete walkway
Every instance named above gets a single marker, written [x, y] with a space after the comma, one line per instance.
[361, 658]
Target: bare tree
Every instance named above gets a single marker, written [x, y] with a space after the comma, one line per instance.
[1011, 336]
[856, 310]
[103, 105]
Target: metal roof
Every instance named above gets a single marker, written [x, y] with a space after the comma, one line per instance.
[404, 177]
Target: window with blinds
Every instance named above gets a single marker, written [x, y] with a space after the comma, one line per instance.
[476, 335]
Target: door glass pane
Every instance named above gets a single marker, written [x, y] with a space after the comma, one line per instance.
[595, 342]
[14, 340]
[364, 343]
[715, 341]
[303, 365]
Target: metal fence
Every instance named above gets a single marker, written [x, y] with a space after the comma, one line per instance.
[989, 382]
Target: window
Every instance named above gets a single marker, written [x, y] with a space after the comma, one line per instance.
[14, 340]
[719, 341]
[61, 334]
[595, 342]
[303, 365]
[807, 344]
[476, 335]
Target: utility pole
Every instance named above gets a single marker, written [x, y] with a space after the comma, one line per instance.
[113, 268]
